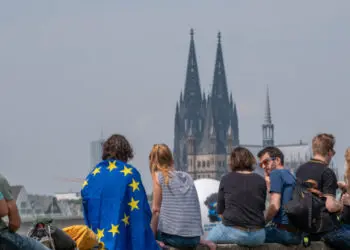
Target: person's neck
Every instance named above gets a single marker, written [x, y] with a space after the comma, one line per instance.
[280, 167]
[320, 158]
[244, 172]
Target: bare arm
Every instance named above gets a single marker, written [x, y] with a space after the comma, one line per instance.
[332, 205]
[13, 214]
[156, 203]
[3, 206]
[274, 207]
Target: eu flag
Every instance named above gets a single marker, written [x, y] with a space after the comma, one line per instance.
[116, 207]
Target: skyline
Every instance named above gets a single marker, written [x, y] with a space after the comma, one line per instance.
[69, 69]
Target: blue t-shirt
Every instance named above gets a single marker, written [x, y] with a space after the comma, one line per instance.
[1, 196]
[282, 182]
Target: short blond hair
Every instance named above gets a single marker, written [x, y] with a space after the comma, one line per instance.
[322, 144]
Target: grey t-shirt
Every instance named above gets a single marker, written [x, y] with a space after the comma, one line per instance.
[5, 190]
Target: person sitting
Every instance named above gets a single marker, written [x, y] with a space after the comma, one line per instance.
[176, 215]
[8, 235]
[114, 200]
[318, 170]
[345, 196]
[281, 185]
[241, 203]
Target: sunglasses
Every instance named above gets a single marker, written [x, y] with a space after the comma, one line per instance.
[266, 161]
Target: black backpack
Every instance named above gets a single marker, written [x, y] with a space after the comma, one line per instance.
[307, 209]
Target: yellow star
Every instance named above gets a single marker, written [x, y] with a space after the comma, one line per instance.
[85, 183]
[134, 185]
[126, 220]
[133, 204]
[112, 166]
[114, 230]
[100, 234]
[96, 171]
[126, 171]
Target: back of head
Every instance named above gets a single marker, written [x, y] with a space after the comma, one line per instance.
[117, 147]
[347, 164]
[161, 159]
[322, 144]
[242, 160]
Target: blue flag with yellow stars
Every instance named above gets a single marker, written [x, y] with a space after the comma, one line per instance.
[116, 207]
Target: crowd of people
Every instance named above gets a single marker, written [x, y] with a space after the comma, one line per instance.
[116, 208]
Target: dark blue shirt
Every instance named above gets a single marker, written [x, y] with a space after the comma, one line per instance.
[282, 182]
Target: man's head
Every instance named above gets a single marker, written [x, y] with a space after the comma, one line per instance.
[117, 147]
[323, 147]
[271, 158]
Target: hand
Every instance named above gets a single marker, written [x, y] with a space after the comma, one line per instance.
[346, 199]
[161, 244]
[342, 185]
[267, 180]
[13, 225]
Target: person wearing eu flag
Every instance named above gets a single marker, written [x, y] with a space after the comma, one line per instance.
[115, 202]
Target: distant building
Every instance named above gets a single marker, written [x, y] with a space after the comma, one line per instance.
[96, 152]
[23, 203]
[207, 128]
[68, 196]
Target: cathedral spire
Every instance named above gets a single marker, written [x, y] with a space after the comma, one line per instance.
[268, 127]
[235, 125]
[193, 92]
[219, 88]
[268, 119]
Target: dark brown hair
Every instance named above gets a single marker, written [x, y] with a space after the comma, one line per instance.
[242, 160]
[117, 147]
[273, 153]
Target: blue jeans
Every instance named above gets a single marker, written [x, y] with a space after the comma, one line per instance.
[226, 234]
[276, 235]
[16, 241]
[178, 241]
[339, 238]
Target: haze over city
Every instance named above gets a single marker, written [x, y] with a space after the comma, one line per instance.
[69, 70]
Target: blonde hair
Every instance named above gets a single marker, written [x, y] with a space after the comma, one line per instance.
[347, 166]
[161, 159]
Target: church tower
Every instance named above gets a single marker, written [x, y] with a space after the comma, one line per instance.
[189, 112]
[268, 127]
[206, 127]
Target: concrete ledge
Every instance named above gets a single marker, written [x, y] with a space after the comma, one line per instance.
[273, 246]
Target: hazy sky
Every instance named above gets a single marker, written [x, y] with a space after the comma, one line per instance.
[71, 68]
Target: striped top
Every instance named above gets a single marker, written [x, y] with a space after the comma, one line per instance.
[180, 210]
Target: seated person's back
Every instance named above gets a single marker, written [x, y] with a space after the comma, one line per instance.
[241, 203]
[176, 211]
[180, 209]
[326, 180]
[242, 200]
[114, 200]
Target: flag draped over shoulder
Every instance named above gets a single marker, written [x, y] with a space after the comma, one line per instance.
[116, 207]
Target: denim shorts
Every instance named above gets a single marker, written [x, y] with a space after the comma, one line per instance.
[178, 241]
[16, 241]
[230, 235]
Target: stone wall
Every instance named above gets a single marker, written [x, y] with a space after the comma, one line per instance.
[314, 246]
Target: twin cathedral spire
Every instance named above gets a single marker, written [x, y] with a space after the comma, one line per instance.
[204, 124]
[208, 125]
